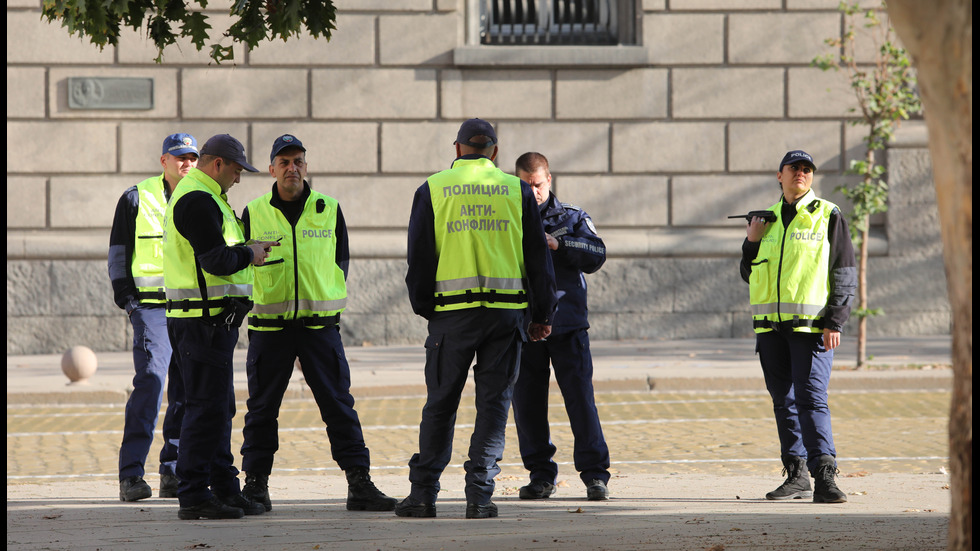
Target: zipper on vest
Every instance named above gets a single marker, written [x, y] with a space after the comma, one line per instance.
[779, 269]
[296, 270]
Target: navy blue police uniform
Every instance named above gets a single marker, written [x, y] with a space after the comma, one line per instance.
[208, 286]
[152, 352]
[205, 350]
[802, 277]
[796, 365]
[493, 335]
[300, 292]
[271, 355]
[580, 251]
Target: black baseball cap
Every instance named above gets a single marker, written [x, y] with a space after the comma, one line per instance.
[282, 142]
[227, 147]
[797, 156]
[476, 127]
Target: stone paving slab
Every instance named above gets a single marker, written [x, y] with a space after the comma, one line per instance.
[655, 432]
[650, 512]
[688, 422]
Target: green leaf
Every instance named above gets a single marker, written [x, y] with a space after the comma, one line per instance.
[160, 33]
[196, 26]
[320, 18]
[250, 28]
[221, 53]
[866, 312]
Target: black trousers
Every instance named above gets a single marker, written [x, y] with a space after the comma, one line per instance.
[271, 355]
[204, 355]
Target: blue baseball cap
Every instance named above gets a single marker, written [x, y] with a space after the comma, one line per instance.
[227, 147]
[476, 127]
[797, 156]
[282, 142]
[180, 144]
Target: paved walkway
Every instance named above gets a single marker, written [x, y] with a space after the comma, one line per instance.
[688, 422]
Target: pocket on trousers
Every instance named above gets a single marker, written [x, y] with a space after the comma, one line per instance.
[201, 343]
[433, 342]
[433, 345]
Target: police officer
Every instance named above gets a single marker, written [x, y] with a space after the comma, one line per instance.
[136, 272]
[208, 282]
[299, 295]
[477, 258]
[575, 249]
[801, 275]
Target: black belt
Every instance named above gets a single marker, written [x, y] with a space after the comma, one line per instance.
[151, 295]
[470, 296]
[300, 322]
[188, 304]
[787, 325]
[234, 310]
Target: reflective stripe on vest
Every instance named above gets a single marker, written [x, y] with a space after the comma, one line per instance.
[483, 282]
[789, 308]
[147, 262]
[186, 296]
[479, 237]
[286, 307]
[790, 280]
[300, 283]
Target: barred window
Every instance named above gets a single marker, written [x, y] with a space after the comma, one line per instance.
[553, 22]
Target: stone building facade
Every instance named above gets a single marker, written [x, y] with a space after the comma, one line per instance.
[659, 138]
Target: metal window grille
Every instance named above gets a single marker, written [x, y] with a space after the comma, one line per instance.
[524, 22]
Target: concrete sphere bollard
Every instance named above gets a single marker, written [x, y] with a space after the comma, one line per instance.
[79, 363]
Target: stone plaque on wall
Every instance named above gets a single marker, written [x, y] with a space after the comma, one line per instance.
[110, 93]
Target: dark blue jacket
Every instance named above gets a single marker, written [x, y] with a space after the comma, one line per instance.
[580, 250]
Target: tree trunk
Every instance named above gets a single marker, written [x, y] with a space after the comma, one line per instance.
[862, 290]
[939, 36]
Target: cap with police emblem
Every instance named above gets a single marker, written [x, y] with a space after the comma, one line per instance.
[282, 142]
[797, 156]
[179, 144]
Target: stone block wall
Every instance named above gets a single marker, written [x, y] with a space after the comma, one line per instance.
[659, 139]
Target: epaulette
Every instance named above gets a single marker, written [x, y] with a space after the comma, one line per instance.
[569, 206]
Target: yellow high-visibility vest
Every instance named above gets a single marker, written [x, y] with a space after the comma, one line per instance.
[300, 283]
[187, 295]
[790, 280]
[479, 237]
[147, 262]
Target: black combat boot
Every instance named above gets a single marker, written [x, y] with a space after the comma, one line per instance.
[537, 489]
[134, 488]
[416, 509]
[797, 484]
[257, 489]
[239, 501]
[212, 509]
[825, 490]
[168, 485]
[363, 495]
[481, 510]
[596, 490]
